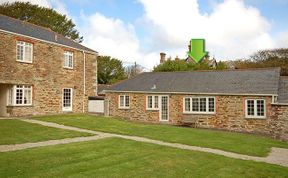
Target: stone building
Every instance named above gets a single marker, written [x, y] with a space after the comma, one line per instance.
[252, 100]
[42, 72]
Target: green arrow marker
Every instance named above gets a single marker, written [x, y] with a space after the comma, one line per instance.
[197, 49]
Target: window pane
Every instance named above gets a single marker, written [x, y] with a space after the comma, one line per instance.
[66, 97]
[19, 96]
[127, 101]
[150, 103]
[20, 51]
[155, 101]
[10, 99]
[70, 62]
[68, 59]
[122, 101]
[260, 107]
[27, 96]
[203, 104]
[250, 107]
[195, 104]
[211, 105]
[28, 53]
[187, 104]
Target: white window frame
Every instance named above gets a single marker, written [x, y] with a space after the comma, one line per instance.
[154, 106]
[255, 116]
[124, 102]
[12, 94]
[160, 108]
[66, 62]
[24, 45]
[199, 112]
[67, 109]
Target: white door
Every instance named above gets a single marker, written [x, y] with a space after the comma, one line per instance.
[164, 108]
[96, 106]
[67, 99]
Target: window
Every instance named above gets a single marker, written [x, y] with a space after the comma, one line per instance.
[20, 95]
[124, 101]
[187, 104]
[255, 108]
[67, 99]
[199, 105]
[152, 102]
[24, 51]
[68, 60]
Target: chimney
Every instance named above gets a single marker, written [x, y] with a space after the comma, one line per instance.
[177, 58]
[189, 48]
[207, 57]
[162, 58]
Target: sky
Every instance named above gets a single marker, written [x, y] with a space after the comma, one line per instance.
[138, 30]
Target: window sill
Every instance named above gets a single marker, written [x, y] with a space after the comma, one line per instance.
[27, 62]
[149, 109]
[200, 113]
[20, 105]
[261, 118]
[124, 108]
[68, 68]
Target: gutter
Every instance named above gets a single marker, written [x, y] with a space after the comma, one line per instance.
[190, 93]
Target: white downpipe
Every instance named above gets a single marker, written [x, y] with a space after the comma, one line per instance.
[84, 81]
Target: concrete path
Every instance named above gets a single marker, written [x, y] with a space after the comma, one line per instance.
[7, 148]
[277, 156]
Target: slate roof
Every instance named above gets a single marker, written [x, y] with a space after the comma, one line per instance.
[251, 81]
[101, 88]
[31, 30]
[283, 90]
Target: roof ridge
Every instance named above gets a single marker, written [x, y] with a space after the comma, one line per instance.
[225, 70]
[28, 23]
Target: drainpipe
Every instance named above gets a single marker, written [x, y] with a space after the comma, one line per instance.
[84, 81]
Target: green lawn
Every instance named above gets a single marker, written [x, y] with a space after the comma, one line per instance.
[17, 131]
[228, 141]
[115, 157]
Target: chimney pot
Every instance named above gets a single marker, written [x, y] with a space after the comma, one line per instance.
[177, 58]
[162, 57]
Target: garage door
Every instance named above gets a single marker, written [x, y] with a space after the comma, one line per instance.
[96, 106]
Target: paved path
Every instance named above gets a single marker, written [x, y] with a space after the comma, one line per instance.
[277, 156]
[7, 148]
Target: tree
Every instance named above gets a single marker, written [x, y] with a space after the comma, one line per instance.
[182, 65]
[110, 70]
[133, 70]
[42, 16]
[266, 58]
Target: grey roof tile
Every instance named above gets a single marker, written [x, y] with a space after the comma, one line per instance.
[31, 30]
[251, 81]
[283, 90]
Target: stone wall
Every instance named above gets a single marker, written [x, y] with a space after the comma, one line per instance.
[230, 114]
[47, 76]
[279, 122]
[137, 110]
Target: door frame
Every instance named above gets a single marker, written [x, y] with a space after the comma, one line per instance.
[160, 108]
[67, 109]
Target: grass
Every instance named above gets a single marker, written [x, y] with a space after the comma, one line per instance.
[17, 131]
[234, 142]
[115, 157]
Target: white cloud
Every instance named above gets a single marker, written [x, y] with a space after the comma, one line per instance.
[111, 37]
[282, 39]
[232, 30]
